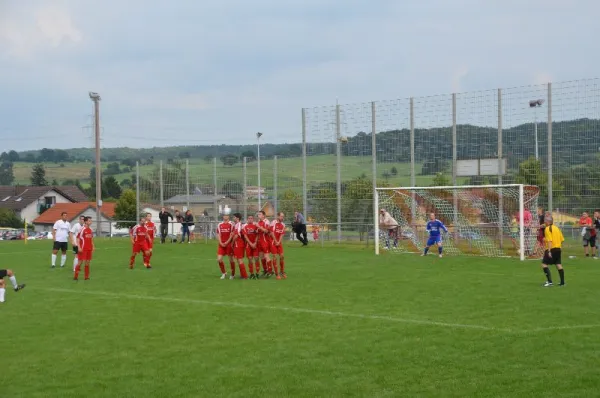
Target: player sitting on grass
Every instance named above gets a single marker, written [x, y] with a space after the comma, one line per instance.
[435, 228]
[250, 234]
[13, 280]
[277, 233]
[238, 244]
[225, 236]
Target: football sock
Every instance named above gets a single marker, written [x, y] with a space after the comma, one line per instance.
[243, 272]
[87, 271]
[269, 265]
[74, 263]
[232, 266]
[440, 249]
[561, 273]
[63, 260]
[264, 263]
[274, 265]
[77, 269]
[281, 265]
[548, 276]
[2, 291]
[13, 280]
[53, 260]
[250, 267]
[426, 250]
[222, 266]
[132, 260]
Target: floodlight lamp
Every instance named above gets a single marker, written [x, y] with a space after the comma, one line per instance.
[258, 135]
[94, 96]
[536, 103]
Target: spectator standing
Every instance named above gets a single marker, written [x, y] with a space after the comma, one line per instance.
[164, 216]
[390, 225]
[186, 223]
[300, 228]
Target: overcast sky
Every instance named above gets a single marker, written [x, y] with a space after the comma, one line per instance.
[216, 71]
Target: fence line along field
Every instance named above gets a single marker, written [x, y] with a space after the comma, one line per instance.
[344, 323]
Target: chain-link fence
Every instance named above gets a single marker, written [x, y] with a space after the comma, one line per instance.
[544, 135]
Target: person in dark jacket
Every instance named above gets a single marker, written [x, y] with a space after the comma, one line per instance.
[188, 221]
[300, 228]
[164, 216]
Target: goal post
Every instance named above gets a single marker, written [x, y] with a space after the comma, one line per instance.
[485, 220]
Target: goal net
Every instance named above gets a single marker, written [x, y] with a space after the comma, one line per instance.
[485, 220]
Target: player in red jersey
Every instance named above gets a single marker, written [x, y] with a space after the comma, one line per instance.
[225, 237]
[277, 232]
[264, 243]
[239, 245]
[139, 241]
[85, 245]
[152, 232]
[250, 234]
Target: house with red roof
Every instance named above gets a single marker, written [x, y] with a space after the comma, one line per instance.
[46, 220]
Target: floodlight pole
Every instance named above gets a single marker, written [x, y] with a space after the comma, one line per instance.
[536, 104]
[258, 135]
[95, 97]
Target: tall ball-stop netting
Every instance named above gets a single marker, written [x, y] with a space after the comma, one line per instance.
[486, 220]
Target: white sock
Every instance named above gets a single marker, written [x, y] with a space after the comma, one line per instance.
[13, 280]
[63, 260]
[2, 291]
[53, 260]
[74, 263]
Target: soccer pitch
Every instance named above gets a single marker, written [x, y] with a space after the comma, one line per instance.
[344, 323]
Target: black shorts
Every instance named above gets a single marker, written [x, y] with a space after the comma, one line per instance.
[75, 249]
[555, 259]
[62, 246]
[3, 273]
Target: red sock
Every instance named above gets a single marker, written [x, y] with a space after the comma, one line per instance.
[132, 260]
[222, 266]
[232, 266]
[281, 264]
[146, 260]
[274, 266]
[149, 257]
[77, 269]
[87, 271]
[264, 263]
[243, 272]
[250, 267]
[269, 265]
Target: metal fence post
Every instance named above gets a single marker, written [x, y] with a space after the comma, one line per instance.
[161, 182]
[338, 147]
[245, 188]
[215, 189]
[304, 176]
[413, 176]
[187, 183]
[550, 177]
[275, 194]
[500, 171]
[137, 191]
[374, 168]
[454, 159]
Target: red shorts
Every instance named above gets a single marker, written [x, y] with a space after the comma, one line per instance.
[264, 246]
[140, 247]
[238, 251]
[84, 255]
[277, 250]
[224, 251]
[251, 252]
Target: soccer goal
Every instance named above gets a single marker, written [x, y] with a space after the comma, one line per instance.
[484, 220]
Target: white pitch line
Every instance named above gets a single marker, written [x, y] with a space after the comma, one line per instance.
[287, 309]
[566, 327]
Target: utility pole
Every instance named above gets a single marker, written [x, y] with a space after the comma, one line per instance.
[95, 97]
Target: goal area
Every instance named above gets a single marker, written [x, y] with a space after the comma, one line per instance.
[483, 220]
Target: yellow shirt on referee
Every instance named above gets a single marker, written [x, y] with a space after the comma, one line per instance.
[554, 236]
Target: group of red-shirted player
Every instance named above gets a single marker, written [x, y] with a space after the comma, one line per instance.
[256, 241]
[142, 240]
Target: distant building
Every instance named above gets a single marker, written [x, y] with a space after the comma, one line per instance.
[46, 220]
[253, 191]
[28, 202]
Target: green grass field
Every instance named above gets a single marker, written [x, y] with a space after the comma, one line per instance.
[344, 323]
[320, 168]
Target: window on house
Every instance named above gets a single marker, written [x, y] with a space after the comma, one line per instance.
[50, 200]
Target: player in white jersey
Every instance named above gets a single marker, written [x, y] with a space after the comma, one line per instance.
[61, 230]
[73, 234]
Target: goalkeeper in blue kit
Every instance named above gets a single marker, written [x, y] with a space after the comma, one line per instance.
[435, 228]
